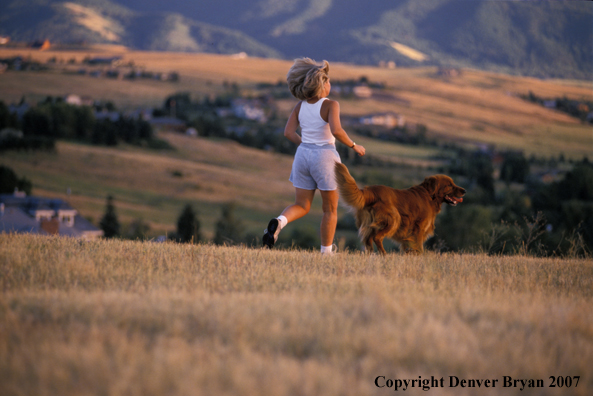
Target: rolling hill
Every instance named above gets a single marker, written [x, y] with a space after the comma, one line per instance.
[543, 38]
[476, 108]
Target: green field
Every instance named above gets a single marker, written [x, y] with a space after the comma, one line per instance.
[123, 317]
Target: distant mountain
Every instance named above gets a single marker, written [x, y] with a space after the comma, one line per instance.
[103, 21]
[538, 38]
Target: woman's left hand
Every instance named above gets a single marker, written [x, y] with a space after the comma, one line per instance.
[358, 149]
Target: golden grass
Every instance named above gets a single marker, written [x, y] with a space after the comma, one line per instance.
[36, 86]
[476, 107]
[113, 317]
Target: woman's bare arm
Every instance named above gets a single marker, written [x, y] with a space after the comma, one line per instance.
[292, 124]
[333, 118]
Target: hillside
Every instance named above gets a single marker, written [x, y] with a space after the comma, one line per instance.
[543, 39]
[155, 186]
[115, 317]
[471, 108]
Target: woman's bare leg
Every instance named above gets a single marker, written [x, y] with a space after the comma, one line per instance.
[301, 205]
[330, 217]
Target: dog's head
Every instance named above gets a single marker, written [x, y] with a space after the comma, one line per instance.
[442, 189]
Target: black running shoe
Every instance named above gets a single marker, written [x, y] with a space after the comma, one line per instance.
[271, 233]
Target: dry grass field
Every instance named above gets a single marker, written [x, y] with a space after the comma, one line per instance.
[133, 318]
[156, 185]
[475, 107]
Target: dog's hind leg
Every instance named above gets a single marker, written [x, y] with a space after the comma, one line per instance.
[386, 225]
[366, 237]
[364, 219]
[379, 242]
[368, 245]
[382, 234]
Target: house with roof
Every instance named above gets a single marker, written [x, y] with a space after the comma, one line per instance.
[20, 213]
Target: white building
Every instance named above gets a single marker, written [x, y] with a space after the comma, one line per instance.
[389, 120]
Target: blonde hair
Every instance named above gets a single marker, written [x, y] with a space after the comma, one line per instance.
[306, 78]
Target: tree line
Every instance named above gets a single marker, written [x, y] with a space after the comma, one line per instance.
[229, 229]
[53, 119]
[524, 215]
[581, 109]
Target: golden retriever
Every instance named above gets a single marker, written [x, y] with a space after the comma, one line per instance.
[406, 216]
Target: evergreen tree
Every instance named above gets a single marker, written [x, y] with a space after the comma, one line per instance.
[109, 223]
[37, 122]
[84, 122]
[7, 119]
[578, 183]
[482, 172]
[515, 168]
[188, 225]
[9, 181]
[229, 229]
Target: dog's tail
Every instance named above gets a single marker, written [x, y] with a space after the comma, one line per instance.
[349, 191]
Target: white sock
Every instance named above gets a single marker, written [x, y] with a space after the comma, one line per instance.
[326, 249]
[283, 221]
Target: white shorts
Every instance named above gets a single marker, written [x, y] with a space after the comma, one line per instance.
[313, 167]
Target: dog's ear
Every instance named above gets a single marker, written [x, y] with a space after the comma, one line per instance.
[430, 184]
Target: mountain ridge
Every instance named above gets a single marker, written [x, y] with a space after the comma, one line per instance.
[549, 39]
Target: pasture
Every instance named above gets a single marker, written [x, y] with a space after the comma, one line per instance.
[124, 318]
[474, 107]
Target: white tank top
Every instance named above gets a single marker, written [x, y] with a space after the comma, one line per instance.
[313, 129]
